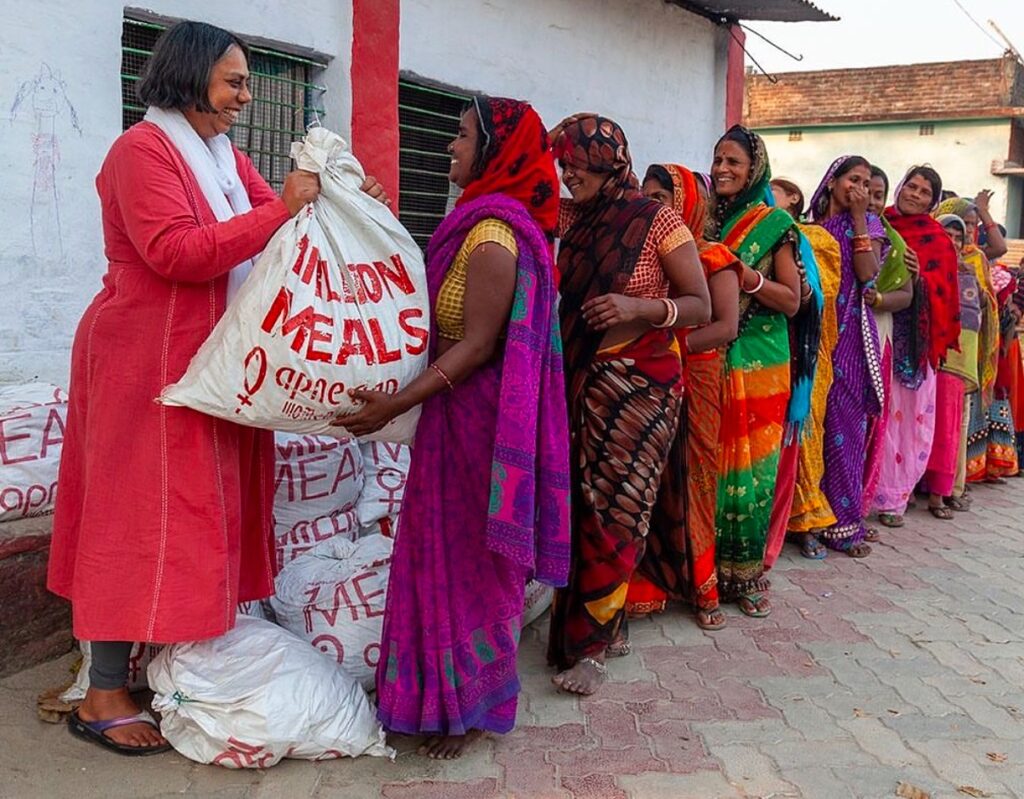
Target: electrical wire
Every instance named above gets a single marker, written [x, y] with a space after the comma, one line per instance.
[979, 26]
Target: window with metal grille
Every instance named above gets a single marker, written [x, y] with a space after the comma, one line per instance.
[926, 130]
[796, 135]
[285, 98]
[428, 118]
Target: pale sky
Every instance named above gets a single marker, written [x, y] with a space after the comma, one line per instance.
[879, 32]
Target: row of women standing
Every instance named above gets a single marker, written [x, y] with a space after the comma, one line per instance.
[649, 437]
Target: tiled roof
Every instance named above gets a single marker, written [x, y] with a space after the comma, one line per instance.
[948, 90]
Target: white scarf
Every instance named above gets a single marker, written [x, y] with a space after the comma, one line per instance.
[212, 161]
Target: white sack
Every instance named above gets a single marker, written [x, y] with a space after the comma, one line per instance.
[32, 420]
[386, 468]
[538, 599]
[314, 476]
[138, 660]
[259, 694]
[334, 597]
[338, 300]
[293, 542]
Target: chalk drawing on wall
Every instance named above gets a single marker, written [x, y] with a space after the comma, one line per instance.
[45, 97]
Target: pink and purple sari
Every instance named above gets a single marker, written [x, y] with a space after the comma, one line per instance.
[486, 507]
[857, 388]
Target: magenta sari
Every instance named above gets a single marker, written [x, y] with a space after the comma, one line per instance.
[486, 507]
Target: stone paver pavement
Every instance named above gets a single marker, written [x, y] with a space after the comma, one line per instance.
[907, 666]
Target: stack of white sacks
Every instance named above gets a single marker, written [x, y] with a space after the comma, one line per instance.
[336, 508]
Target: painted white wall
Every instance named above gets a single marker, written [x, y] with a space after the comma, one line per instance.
[45, 284]
[962, 152]
[656, 69]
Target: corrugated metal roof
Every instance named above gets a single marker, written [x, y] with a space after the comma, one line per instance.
[771, 10]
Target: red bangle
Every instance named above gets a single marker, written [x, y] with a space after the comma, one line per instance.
[990, 225]
[443, 376]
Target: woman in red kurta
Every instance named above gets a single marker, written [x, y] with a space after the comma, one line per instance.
[163, 520]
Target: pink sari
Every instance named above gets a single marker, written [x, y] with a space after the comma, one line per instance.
[949, 411]
[908, 444]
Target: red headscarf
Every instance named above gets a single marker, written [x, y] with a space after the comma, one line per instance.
[939, 267]
[517, 159]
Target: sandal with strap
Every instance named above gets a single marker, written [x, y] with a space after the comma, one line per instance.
[95, 732]
[749, 605]
[872, 536]
[943, 512]
[705, 619]
[890, 519]
[959, 504]
[812, 549]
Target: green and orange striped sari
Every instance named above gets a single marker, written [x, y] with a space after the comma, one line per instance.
[755, 396]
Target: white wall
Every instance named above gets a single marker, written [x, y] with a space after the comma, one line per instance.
[656, 69]
[45, 284]
[962, 152]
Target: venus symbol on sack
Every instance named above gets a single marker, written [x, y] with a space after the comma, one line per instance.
[255, 374]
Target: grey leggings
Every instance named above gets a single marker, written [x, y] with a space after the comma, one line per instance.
[109, 669]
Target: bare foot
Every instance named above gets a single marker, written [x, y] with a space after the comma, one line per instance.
[584, 678]
[448, 747]
[105, 705]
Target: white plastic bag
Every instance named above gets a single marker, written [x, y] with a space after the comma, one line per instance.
[338, 300]
[334, 597]
[317, 482]
[32, 420]
[314, 476]
[293, 542]
[259, 694]
[386, 468]
[538, 599]
[139, 658]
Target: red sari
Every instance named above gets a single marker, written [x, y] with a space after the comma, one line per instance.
[163, 520]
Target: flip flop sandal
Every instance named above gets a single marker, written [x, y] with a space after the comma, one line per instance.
[860, 550]
[813, 549]
[943, 513]
[959, 504]
[711, 626]
[748, 605]
[95, 732]
[872, 536]
[890, 519]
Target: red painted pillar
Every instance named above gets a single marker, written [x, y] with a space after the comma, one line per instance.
[374, 76]
[735, 77]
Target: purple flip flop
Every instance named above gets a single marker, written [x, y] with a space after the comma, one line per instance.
[95, 732]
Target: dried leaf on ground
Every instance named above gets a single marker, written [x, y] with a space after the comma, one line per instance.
[861, 714]
[996, 757]
[907, 791]
[970, 790]
[50, 708]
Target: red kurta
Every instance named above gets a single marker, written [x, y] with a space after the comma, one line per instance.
[163, 518]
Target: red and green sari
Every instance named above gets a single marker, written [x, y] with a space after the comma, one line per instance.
[755, 397]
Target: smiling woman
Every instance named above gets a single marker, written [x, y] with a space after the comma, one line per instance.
[143, 485]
